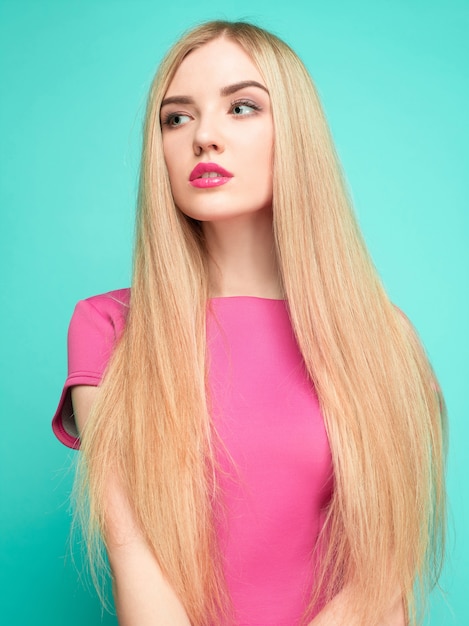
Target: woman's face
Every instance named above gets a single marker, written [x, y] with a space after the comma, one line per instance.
[218, 134]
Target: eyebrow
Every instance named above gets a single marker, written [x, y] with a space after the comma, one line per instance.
[225, 91]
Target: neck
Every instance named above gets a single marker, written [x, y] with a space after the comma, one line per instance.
[242, 257]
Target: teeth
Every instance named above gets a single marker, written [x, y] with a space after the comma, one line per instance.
[210, 175]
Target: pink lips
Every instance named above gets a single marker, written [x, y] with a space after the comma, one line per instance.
[196, 179]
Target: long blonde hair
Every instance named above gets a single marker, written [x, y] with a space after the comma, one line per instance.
[385, 422]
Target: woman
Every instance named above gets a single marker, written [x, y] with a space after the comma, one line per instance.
[256, 325]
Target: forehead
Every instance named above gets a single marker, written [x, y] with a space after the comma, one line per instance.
[217, 63]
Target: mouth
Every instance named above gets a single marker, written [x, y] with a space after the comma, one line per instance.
[205, 175]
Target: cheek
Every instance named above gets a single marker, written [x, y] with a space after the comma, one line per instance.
[268, 164]
[264, 169]
[259, 172]
[168, 156]
[173, 165]
[261, 147]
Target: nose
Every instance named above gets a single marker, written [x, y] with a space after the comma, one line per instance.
[207, 137]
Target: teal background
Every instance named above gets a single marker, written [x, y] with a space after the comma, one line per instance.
[74, 77]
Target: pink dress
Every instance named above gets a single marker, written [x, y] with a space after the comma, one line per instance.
[276, 476]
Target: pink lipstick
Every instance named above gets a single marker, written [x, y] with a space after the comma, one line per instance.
[207, 175]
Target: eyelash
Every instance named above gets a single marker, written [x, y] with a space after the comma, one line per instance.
[247, 103]
[168, 119]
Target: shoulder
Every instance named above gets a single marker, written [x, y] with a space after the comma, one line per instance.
[112, 305]
[117, 299]
[96, 325]
[105, 314]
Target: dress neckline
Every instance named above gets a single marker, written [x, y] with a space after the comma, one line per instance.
[260, 298]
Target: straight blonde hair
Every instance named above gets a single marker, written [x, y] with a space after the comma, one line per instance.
[384, 417]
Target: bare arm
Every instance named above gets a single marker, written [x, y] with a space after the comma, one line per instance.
[337, 613]
[142, 595]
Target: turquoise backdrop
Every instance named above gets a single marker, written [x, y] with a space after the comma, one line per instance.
[74, 76]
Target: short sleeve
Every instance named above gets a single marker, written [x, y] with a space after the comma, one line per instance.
[95, 327]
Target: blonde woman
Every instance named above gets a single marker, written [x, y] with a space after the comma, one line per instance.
[262, 442]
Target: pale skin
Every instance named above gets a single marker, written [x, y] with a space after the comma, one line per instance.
[205, 123]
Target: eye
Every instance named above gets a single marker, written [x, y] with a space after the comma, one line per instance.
[243, 108]
[173, 120]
